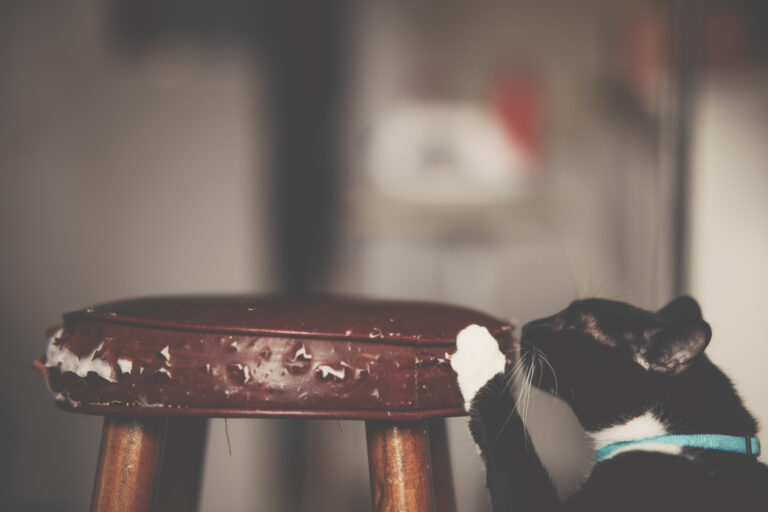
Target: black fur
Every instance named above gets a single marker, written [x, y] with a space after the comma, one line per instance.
[612, 362]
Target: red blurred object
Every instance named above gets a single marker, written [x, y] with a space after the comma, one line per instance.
[517, 101]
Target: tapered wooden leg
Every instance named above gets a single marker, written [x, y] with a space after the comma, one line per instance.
[182, 468]
[445, 498]
[399, 462]
[129, 462]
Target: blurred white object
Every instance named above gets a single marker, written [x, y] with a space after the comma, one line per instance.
[446, 153]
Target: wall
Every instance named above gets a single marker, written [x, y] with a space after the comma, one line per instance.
[728, 243]
[119, 176]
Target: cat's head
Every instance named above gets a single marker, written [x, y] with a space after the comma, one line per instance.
[607, 358]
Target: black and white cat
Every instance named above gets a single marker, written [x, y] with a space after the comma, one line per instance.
[670, 431]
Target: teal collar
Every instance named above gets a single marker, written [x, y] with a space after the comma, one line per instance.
[735, 444]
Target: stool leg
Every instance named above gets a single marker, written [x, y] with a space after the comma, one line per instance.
[445, 498]
[182, 469]
[398, 458]
[129, 462]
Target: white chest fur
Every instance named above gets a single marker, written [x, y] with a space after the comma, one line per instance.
[640, 427]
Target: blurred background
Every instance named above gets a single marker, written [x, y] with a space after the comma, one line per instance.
[510, 157]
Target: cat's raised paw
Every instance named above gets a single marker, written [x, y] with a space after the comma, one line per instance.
[476, 360]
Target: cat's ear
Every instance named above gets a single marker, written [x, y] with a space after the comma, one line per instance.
[683, 308]
[673, 348]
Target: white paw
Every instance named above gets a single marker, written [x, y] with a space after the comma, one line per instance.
[476, 360]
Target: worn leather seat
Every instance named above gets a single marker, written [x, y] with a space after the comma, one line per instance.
[325, 357]
[143, 363]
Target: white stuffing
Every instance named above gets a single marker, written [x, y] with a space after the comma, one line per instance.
[326, 370]
[68, 361]
[125, 365]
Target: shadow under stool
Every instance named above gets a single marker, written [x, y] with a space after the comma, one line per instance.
[157, 368]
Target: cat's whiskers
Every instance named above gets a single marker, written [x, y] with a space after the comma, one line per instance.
[513, 373]
[527, 402]
[517, 368]
[554, 375]
[541, 374]
[527, 391]
[529, 383]
[521, 393]
[529, 363]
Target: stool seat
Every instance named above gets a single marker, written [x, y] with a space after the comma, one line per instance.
[262, 356]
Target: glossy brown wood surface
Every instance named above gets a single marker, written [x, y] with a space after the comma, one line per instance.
[182, 468]
[129, 463]
[445, 498]
[400, 468]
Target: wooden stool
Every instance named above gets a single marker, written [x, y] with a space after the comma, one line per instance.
[157, 367]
